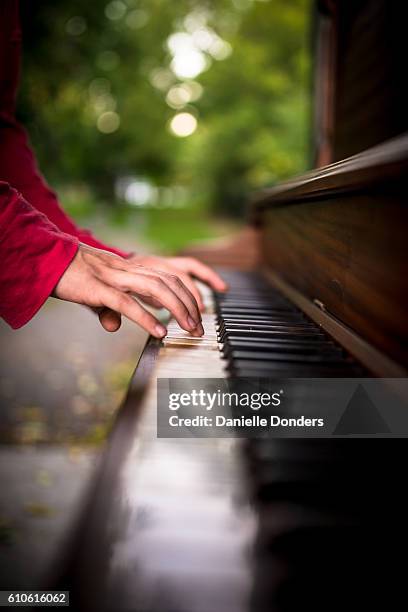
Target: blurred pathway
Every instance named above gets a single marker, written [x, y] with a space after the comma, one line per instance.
[62, 377]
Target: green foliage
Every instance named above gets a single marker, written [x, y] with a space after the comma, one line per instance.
[171, 230]
[86, 60]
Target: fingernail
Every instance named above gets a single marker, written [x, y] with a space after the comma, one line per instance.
[192, 324]
[160, 331]
[198, 331]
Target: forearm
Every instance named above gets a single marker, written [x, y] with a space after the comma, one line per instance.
[19, 168]
[34, 255]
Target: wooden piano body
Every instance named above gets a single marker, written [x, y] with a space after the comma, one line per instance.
[335, 240]
[228, 526]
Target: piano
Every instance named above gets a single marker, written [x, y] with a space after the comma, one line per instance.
[271, 525]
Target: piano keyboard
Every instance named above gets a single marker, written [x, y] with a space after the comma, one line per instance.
[253, 330]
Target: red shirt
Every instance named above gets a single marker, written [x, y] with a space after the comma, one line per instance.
[37, 238]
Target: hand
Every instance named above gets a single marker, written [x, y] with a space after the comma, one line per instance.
[185, 268]
[107, 282]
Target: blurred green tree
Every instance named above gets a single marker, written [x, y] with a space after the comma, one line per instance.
[110, 87]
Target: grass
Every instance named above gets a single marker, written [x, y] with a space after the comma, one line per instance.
[171, 230]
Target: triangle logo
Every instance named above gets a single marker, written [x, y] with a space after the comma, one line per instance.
[361, 417]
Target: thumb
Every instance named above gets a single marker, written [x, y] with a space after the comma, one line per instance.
[109, 319]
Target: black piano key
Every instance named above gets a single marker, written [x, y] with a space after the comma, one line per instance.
[274, 334]
[262, 357]
[224, 311]
[253, 304]
[278, 324]
[264, 363]
[269, 325]
[265, 321]
[311, 341]
[250, 293]
[230, 352]
[276, 316]
[254, 299]
[276, 345]
[225, 332]
[292, 372]
[289, 370]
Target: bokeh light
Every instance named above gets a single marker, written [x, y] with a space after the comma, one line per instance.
[161, 78]
[76, 26]
[189, 64]
[196, 19]
[183, 124]
[137, 19]
[220, 49]
[188, 61]
[195, 89]
[115, 10]
[108, 122]
[140, 192]
[178, 96]
[99, 86]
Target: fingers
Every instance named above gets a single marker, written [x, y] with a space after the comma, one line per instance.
[205, 274]
[188, 298]
[173, 295]
[126, 305]
[109, 319]
[151, 302]
[165, 267]
[192, 287]
[168, 290]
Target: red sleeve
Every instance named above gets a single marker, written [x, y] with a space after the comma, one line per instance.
[34, 254]
[18, 167]
[17, 162]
